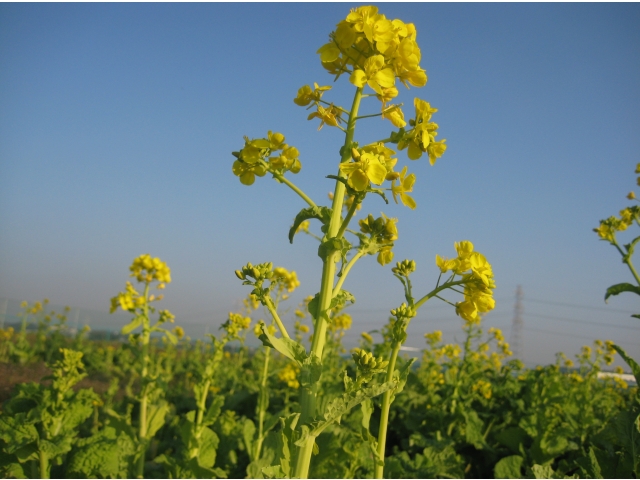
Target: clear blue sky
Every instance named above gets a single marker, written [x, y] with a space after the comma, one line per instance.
[117, 122]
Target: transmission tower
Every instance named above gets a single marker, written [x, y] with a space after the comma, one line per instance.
[515, 339]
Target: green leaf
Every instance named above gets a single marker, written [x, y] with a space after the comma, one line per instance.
[508, 467]
[635, 368]
[12, 470]
[273, 471]
[213, 411]
[248, 432]
[16, 432]
[401, 375]
[621, 287]
[155, 416]
[321, 213]
[286, 346]
[135, 323]
[343, 404]
[209, 442]
[104, 455]
[311, 370]
[473, 429]
[545, 471]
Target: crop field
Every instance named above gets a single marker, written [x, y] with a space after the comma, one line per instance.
[154, 403]
[216, 412]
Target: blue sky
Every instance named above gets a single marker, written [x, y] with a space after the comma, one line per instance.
[117, 122]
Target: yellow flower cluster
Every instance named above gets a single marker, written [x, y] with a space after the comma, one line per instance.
[127, 300]
[147, 269]
[376, 50]
[289, 375]
[383, 231]
[36, 308]
[254, 158]
[6, 334]
[609, 227]
[341, 322]
[478, 283]
[235, 324]
[483, 388]
[422, 138]
[288, 279]
[257, 330]
[367, 337]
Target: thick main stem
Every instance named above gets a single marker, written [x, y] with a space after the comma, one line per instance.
[308, 395]
[261, 412]
[142, 430]
[384, 414]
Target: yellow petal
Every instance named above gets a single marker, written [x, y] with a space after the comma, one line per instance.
[358, 78]
[376, 172]
[329, 52]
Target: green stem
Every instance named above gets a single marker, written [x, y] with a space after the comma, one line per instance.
[345, 272]
[44, 465]
[435, 291]
[345, 223]
[276, 317]
[626, 259]
[142, 428]
[261, 412]
[308, 395]
[384, 414]
[292, 186]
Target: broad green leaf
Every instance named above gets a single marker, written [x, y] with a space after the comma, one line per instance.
[209, 442]
[248, 433]
[508, 467]
[273, 471]
[320, 213]
[635, 368]
[213, 411]
[343, 404]
[474, 429]
[286, 346]
[16, 432]
[104, 455]
[621, 287]
[12, 470]
[155, 416]
[540, 471]
[130, 327]
[311, 370]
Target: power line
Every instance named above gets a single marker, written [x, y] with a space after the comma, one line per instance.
[516, 325]
[573, 305]
[540, 330]
[575, 320]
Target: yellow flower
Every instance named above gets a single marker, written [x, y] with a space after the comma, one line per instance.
[387, 95]
[375, 74]
[366, 337]
[341, 322]
[306, 95]
[330, 116]
[405, 184]
[631, 196]
[179, 332]
[248, 171]
[289, 279]
[483, 388]
[367, 169]
[434, 337]
[467, 310]
[445, 264]
[289, 375]
[385, 256]
[394, 115]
